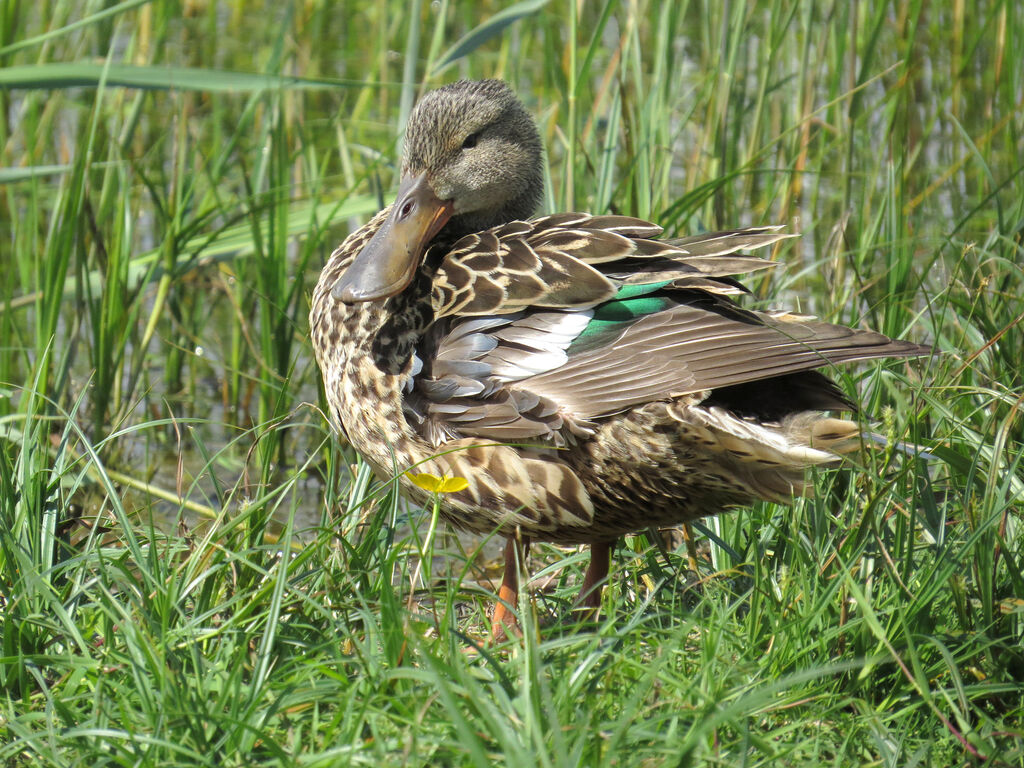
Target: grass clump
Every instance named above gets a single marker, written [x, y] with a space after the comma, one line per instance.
[194, 571]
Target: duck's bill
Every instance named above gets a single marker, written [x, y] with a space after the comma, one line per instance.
[387, 263]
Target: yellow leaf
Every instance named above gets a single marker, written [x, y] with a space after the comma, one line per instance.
[435, 484]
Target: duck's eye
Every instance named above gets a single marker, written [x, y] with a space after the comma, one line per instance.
[470, 141]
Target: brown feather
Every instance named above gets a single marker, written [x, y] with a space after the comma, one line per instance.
[650, 420]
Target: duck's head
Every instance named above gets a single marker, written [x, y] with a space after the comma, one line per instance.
[472, 161]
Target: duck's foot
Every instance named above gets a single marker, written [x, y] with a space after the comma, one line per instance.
[505, 624]
[503, 621]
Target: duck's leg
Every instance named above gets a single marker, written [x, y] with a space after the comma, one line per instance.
[597, 573]
[504, 620]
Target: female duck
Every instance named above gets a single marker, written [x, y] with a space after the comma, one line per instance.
[584, 377]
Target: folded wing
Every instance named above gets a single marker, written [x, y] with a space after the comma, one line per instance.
[543, 328]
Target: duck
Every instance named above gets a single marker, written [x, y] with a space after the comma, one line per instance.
[584, 376]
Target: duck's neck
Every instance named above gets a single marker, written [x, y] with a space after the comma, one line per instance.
[519, 208]
[365, 352]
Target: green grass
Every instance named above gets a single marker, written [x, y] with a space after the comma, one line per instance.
[193, 571]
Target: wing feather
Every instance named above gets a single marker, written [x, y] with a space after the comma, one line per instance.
[690, 349]
[512, 304]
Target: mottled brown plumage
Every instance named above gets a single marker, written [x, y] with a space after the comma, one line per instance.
[585, 377]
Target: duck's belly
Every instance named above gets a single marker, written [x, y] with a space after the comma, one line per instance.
[659, 465]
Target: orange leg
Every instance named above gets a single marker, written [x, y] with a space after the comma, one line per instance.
[504, 620]
[597, 573]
